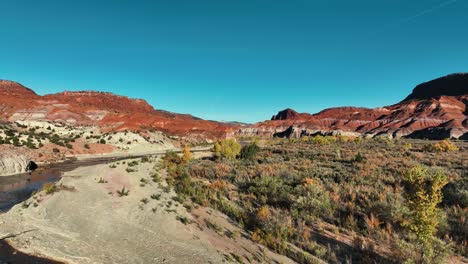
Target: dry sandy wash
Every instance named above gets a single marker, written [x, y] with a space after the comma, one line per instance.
[87, 221]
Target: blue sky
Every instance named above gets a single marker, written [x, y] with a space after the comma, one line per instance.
[234, 60]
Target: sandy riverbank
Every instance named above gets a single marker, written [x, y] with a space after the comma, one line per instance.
[88, 222]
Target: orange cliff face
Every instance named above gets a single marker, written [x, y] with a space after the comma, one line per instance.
[108, 111]
[436, 109]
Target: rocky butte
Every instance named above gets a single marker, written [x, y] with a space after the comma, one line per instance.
[434, 110]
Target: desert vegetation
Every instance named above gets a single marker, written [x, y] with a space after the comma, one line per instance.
[63, 139]
[335, 198]
[34, 137]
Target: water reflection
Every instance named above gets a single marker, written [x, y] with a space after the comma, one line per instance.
[18, 188]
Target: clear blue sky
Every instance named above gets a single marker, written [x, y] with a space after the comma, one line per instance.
[234, 59]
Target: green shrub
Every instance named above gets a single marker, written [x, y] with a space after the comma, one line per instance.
[123, 192]
[249, 151]
[359, 157]
[184, 220]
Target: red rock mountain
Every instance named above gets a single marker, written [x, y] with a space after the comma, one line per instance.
[450, 85]
[108, 111]
[434, 110]
[289, 114]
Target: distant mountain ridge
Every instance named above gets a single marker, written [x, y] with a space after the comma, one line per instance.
[436, 109]
[108, 111]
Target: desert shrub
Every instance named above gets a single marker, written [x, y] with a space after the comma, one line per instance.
[144, 181]
[101, 180]
[186, 154]
[171, 162]
[156, 196]
[155, 177]
[133, 163]
[130, 170]
[30, 144]
[249, 151]
[271, 190]
[359, 157]
[49, 188]
[171, 158]
[407, 146]
[323, 140]
[442, 146]
[263, 214]
[456, 193]
[214, 226]
[184, 220]
[123, 192]
[314, 202]
[227, 148]
[232, 210]
[458, 228]
[412, 251]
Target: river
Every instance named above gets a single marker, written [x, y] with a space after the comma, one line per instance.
[18, 188]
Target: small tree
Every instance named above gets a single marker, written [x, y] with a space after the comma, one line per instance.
[423, 194]
[227, 148]
[187, 155]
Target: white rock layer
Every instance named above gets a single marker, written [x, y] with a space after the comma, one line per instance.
[13, 164]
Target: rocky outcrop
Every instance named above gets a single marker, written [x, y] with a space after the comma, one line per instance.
[450, 85]
[288, 114]
[11, 164]
[435, 110]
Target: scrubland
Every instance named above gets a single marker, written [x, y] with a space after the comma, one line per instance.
[337, 199]
[312, 200]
